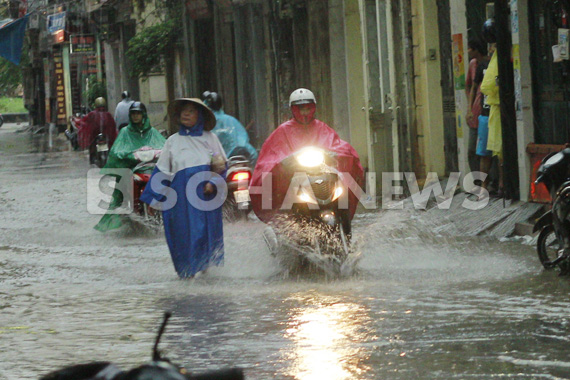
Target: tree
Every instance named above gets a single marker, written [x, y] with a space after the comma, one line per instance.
[10, 77]
[150, 46]
[94, 90]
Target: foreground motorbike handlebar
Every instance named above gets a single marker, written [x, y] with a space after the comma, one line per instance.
[159, 369]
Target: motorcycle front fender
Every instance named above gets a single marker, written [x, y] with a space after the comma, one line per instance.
[543, 221]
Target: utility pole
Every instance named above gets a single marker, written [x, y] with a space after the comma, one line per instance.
[187, 57]
[507, 100]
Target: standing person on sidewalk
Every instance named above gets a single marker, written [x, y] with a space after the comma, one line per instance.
[490, 88]
[477, 55]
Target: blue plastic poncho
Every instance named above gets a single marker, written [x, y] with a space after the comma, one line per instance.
[233, 135]
[194, 234]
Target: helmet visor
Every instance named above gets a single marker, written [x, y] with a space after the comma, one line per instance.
[302, 101]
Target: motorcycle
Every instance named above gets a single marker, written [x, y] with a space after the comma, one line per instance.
[99, 150]
[73, 130]
[141, 176]
[160, 368]
[554, 237]
[315, 233]
[99, 147]
[238, 176]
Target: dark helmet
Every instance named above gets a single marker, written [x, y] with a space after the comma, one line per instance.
[125, 95]
[212, 100]
[490, 31]
[137, 106]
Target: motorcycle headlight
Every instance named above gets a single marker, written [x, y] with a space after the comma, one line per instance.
[337, 193]
[311, 157]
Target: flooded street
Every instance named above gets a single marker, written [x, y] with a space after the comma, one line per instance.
[420, 306]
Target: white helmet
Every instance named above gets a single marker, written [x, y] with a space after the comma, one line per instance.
[301, 96]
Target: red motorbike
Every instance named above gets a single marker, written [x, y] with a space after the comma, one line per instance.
[141, 177]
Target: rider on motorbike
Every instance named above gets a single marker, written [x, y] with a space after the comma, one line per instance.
[94, 123]
[230, 131]
[301, 131]
[137, 142]
[122, 110]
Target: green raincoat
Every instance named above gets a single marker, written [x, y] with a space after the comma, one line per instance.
[130, 139]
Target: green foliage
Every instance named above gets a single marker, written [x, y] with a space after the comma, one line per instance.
[95, 89]
[148, 47]
[12, 105]
[10, 77]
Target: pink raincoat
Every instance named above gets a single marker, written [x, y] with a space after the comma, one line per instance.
[288, 138]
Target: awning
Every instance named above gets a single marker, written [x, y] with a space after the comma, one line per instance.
[12, 39]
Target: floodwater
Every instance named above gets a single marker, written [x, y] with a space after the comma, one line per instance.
[420, 306]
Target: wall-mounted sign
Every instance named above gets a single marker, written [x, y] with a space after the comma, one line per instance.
[458, 62]
[56, 22]
[83, 43]
[60, 91]
[59, 37]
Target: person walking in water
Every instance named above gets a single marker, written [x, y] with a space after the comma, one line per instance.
[193, 163]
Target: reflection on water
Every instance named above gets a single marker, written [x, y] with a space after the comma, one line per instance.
[327, 334]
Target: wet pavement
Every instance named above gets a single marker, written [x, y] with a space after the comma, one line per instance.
[422, 304]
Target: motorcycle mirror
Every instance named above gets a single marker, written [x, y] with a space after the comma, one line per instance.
[155, 352]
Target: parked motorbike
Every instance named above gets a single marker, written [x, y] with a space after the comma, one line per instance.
[160, 368]
[73, 130]
[316, 231]
[238, 177]
[554, 226]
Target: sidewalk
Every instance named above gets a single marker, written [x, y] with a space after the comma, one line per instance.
[499, 218]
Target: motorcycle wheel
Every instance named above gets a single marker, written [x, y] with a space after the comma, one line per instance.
[154, 217]
[344, 240]
[231, 212]
[102, 158]
[547, 246]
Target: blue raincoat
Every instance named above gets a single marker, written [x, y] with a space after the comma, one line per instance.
[192, 220]
[233, 135]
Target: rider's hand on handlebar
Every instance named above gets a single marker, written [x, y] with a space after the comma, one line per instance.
[144, 156]
[208, 188]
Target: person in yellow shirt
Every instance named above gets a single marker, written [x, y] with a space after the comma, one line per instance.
[490, 88]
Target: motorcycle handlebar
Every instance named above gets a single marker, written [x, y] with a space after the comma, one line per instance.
[223, 374]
